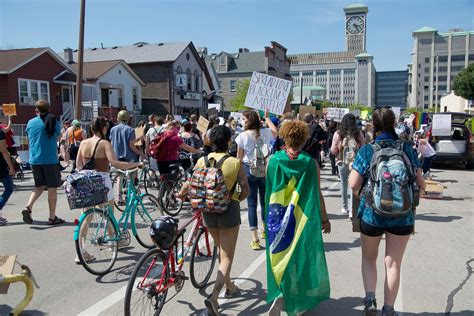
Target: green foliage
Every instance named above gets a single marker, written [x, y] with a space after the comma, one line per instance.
[409, 110]
[463, 84]
[237, 102]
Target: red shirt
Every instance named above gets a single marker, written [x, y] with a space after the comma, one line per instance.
[172, 145]
[8, 136]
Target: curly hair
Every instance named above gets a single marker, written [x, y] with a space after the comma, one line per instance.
[295, 133]
[220, 137]
[348, 126]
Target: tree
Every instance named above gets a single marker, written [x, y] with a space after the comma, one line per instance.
[463, 85]
[237, 102]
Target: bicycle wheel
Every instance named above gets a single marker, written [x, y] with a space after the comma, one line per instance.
[169, 201]
[151, 182]
[203, 259]
[120, 194]
[146, 212]
[95, 250]
[141, 297]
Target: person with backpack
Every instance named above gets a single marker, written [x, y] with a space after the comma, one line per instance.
[345, 143]
[192, 140]
[317, 136]
[253, 149]
[387, 176]
[74, 137]
[216, 175]
[150, 135]
[332, 128]
[165, 147]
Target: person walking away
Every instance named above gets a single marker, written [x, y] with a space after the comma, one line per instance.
[63, 150]
[428, 154]
[332, 128]
[193, 119]
[314, 145]
[151, 123]
[96, 153]
[223, 227]
[345, 143]
[386, 206]
[43, 132]
[253, 149]
[167, 153]
[192, 140]
[7, 171]
[154, 131]
[123, 139]
[75, 135]
[297, 274]
[10, 142]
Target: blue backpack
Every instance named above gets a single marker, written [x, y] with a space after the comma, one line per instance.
[390, 190]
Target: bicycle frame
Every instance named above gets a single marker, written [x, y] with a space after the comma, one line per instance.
[171, 263]
[133, 200]
[27, 278]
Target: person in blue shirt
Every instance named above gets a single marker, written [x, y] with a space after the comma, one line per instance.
[123, 139]
[43, 132]
[397, 230]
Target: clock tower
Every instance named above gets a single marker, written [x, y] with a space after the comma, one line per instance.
[355, 27]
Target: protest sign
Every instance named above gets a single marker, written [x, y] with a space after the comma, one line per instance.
[337, 114]
[9, 109]
[319, 113]
[306, 109]
[214, 106]
[396, 111]
[202, 125]
[441, 125]
[236, 115]
[139, 133]
[409, 120]
[212, 111]
[267, 93]
[364, 114]
[178, 118]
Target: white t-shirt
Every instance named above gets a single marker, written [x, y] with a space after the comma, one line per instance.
[246, 141]
[153, 132]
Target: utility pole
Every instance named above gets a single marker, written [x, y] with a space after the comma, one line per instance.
[436, 91]
[301, 83]
[80, 62]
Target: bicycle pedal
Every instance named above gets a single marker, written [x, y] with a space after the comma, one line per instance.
[181, 276]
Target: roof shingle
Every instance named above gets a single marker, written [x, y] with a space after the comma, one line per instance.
[10, 59]
[96, 69]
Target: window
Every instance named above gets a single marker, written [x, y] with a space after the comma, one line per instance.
[427, 60]
[36, 90]
[442, 59]
[457, 58]
[120, 97]
[233, 85]
[188, 77]
[222, 60]
[196, 81]
[134, 96]
[179, 70]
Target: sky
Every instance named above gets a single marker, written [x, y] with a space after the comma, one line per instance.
[302, 26]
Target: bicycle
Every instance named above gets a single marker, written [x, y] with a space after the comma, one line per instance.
[147, 181]
[159, 270]
[26, 276]
[103, 234]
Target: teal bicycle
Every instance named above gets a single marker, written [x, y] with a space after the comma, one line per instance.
[98, 235]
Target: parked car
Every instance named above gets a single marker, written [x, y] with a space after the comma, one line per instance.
[459, 146]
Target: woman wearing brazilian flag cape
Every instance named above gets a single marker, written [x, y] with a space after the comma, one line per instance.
[295, 215]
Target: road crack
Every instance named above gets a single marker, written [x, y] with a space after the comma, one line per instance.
[450, 301]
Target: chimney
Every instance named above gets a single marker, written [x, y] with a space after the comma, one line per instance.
[243, 50]
[203, 50]
[68, 56]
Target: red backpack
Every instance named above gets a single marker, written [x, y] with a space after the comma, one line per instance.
[158, 146]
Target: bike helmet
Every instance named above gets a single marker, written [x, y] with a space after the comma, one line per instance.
[163, 231]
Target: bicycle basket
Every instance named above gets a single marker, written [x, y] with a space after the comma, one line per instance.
[85, 188]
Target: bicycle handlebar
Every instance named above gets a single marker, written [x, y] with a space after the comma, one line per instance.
[124, 172]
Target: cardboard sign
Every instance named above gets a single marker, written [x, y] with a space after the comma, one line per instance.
[441, 125]
[236, 115]
[214, 106]
[364, 114]
[139, 132]
[212, 111]
[9, 109]
[397, 111]
[202, 125]
[337, 113]
[306, 109]
[7, 263]
[178, 118]
[267, 93]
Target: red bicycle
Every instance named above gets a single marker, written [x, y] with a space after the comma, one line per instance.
[159, 270]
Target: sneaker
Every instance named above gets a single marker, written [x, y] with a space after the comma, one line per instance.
[255, 245]
[344, 211]
[389, 313]
[263, 235]
[350, 214]
[212, 306]
[370, 307]
[86, 256]
[232, 291]
[3, 221]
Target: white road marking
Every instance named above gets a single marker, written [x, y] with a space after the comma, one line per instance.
[118, 295]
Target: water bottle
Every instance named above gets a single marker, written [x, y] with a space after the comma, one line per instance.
[386, 197]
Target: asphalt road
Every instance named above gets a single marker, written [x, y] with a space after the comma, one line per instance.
[436, 276]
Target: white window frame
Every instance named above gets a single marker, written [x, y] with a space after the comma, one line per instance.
[235, 85]
[38, 84]
[135, 94]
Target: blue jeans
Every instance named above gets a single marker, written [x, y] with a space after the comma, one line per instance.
[427, 163]
[344, 175]
[257, 189]
[8, 185]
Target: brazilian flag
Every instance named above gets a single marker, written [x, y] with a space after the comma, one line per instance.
[296, 263]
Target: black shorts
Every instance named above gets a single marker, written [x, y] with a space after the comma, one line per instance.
[164, 166]
[47, 175]
[373, 231]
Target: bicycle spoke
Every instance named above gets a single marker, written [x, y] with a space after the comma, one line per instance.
[203, 258]
[145, 213]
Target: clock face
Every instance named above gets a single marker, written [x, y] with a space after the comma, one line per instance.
[355, 25]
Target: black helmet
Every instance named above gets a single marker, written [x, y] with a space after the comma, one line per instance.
[163, 231]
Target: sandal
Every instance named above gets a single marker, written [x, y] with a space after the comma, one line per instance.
[56, 221]
[27, 215]
[230, 292]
